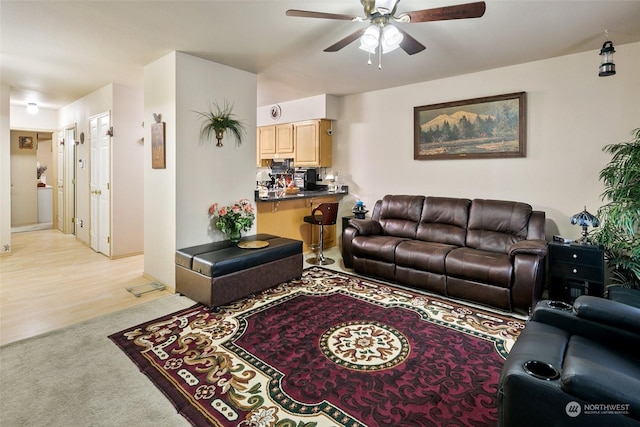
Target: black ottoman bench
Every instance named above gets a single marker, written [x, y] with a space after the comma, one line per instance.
[221, 272]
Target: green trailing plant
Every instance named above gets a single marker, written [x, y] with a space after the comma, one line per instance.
[620, 233]
[218, 120]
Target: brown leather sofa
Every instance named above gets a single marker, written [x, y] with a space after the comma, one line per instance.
[487, 251]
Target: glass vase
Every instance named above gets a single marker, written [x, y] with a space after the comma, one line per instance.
[234, 236]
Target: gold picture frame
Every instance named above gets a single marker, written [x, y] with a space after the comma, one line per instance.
[25, 142]
[489, 127]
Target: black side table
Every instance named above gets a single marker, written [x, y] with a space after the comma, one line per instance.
[575, 270]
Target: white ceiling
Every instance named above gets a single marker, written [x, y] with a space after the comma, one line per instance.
[54, 52]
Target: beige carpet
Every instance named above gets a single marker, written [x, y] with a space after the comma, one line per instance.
[76, 377]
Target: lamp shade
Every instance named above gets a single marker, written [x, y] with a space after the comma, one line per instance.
[370, 38]
[391, 38]
[584, 218]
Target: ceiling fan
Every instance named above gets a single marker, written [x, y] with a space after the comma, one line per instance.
[385, 36]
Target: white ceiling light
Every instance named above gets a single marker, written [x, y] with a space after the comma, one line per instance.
[381, 36]
[32, 108]
[370, 38]
[391, 38]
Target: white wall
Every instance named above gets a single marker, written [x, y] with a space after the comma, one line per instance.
[127, 180]
[46, 119]
[160, 184]
[572, 114]
[314, 107]
[5, 171]
[198, 173]
[205, 173]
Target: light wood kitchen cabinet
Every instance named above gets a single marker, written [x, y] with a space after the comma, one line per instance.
[313, 143]
[276, 141]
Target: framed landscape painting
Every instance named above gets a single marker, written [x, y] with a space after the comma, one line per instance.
[490, 127]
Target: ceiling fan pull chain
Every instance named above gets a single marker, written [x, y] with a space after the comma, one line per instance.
[380, 58]
[369, 61]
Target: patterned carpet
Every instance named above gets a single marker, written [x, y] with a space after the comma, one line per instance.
[330, 349]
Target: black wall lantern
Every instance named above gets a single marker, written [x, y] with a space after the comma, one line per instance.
[607, 67]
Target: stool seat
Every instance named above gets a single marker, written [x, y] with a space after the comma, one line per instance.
[323, 214]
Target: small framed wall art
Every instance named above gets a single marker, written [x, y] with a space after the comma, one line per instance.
[158, 152]
[25, 142]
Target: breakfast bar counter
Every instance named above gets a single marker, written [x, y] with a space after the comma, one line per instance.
[302, 194]
[284, 216]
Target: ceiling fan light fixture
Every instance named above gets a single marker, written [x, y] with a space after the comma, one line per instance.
[385, 6]
[391, 38]
[370, 38]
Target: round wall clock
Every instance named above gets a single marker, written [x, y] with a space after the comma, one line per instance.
[275, 112]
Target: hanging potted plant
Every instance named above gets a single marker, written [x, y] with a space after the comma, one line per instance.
[218, 120]
[620, 235]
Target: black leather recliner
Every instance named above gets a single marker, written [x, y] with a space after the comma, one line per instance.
[574, 366]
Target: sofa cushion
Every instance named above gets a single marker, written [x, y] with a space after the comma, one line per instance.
[444, 220]
[422, 256]
[379, 248]
[399, 215]
[480, 266]
[494, 225]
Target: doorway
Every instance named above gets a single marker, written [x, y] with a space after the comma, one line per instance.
[31, 194]
[100, 186]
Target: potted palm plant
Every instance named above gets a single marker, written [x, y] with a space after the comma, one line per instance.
[620, 235]
[218, 120]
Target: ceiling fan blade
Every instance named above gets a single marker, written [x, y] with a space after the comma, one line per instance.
[345, 41]
[409, 44]
[309, 14]
[461, 11]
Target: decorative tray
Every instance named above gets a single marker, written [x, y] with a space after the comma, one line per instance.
[253, 244]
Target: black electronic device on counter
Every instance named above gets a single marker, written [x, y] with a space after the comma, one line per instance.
[305, 179]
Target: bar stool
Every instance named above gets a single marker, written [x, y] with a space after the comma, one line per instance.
[329, 213]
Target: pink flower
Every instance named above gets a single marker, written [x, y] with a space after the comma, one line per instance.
[213, 208]
[223, 211]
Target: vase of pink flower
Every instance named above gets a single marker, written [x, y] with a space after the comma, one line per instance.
[233, 220]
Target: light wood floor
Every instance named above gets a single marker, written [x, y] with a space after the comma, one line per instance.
[51, 281]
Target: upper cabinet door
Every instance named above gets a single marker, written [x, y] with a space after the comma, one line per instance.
[284, 140]
[267, 141]
[313, 143]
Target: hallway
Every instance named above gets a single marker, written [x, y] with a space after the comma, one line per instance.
[51, 281]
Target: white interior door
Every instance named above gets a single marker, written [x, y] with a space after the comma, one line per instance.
[100, 187]
[70, 179]
[60, 181]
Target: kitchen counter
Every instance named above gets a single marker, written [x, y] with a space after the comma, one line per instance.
[284, 216]
[303, 194]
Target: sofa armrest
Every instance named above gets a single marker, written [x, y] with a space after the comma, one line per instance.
[366, 227]
[608, 322]
[530, 247]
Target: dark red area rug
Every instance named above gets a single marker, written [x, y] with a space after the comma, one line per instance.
[329, 349]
